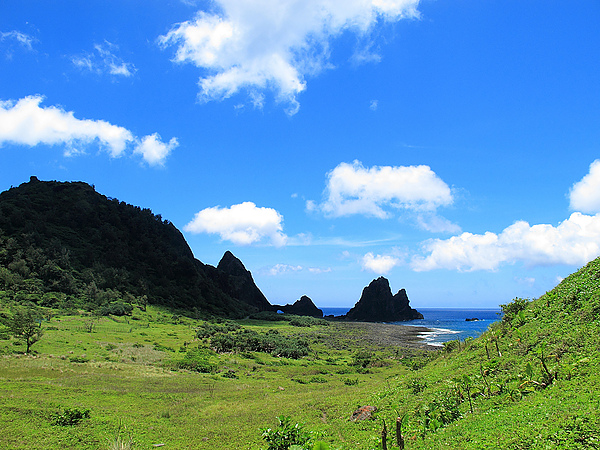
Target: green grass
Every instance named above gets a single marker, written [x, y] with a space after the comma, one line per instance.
[125, 372]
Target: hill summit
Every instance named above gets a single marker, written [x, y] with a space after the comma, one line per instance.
[64, 244]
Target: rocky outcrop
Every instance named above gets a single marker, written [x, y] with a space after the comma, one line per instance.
[302, 307]
[363, 413]
[377, 304]
[239, 284]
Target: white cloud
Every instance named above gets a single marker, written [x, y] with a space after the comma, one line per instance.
[436, 224]
[574, 241]
[242, 224]
[585, 194]
[104, 60]
[278, 269]
[380, 264]
[273, 44]
[153, 150]
[354, 189]
[374, 104]
[26, 123]
[22, 39]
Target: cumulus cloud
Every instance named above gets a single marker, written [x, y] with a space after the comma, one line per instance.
[380, 264]
[574, 241]
[25, 122]
[242, 224]
[104, 60]
[353, 189]
[585, 194]
[272, 44]
[153, 150]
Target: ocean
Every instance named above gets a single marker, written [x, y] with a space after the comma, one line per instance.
[447, 324]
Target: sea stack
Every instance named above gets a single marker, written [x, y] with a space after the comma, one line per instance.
[302, 307]
[377, 304]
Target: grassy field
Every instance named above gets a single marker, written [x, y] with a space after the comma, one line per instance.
[531, 381]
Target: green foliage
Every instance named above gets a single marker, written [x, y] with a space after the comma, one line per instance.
[70, 416]
[25, 325]
[272, 342]
[63, 245]
[362, 358]
[197, 360]
[209, 329]
[116, 309]
[287, 434]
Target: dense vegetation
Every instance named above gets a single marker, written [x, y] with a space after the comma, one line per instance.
[530, 382]
[63, 245]
[109, 338]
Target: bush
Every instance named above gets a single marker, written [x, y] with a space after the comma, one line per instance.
[70, 416]
[285, 435]
[196, 360]
[251, 341]
[116, 309]
[362, 358]
[209, 329]
[512, 309]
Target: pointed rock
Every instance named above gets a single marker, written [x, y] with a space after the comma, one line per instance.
[302, 307]
[239, 283]
[377, 304]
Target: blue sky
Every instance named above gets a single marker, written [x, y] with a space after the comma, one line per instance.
[451, 146]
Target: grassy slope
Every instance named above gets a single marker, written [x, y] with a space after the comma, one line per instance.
[123, 383]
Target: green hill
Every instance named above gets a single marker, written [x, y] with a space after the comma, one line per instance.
[65, 245]
[531, 381]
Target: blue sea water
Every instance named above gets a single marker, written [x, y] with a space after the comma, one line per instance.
[445, 324]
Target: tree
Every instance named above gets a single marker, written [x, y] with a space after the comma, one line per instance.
[26, 325]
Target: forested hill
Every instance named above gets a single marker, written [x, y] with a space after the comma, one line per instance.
[64, 244]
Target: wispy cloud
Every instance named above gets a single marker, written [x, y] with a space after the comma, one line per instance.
[103, 60]
[273, 45]
[25, 122]
[281, 269]
[13, 40]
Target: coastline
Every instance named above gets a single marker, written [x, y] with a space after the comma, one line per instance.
[389, 335]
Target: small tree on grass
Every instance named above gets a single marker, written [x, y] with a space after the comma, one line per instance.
[26, 325]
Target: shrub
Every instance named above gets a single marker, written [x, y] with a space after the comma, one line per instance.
[512, 309]
[362, 358]
[196, 360]
[70, 416]
[116, 309]
[285, 435]
[271, 342]
[79, 359]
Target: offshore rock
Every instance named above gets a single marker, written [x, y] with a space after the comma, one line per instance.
[302, 307]
[377, 304]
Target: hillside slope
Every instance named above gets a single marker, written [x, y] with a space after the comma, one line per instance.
[64, 243]
[532, 381]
